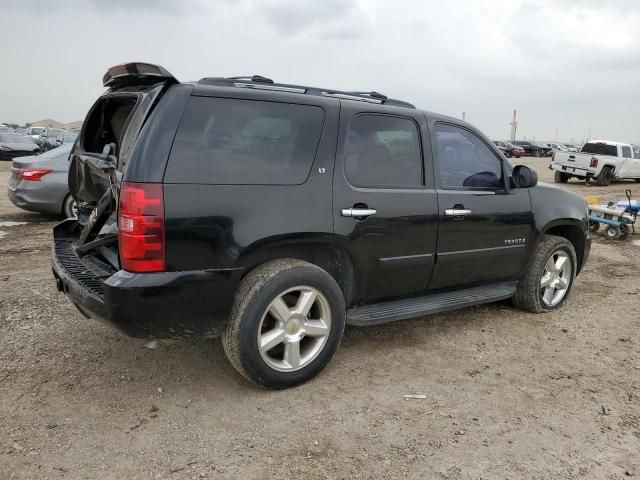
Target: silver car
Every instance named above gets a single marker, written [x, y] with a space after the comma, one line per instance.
[40, 183]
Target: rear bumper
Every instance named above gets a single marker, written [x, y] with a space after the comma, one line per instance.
[29, 200]
[574, 170]
[160, 305]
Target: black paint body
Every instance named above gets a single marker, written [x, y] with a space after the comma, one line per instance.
[217, 233]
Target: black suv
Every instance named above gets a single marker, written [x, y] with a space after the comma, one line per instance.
[275, 214]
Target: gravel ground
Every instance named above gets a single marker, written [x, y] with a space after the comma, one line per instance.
[504, 394]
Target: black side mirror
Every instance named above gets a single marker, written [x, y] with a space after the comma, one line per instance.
[524, 177]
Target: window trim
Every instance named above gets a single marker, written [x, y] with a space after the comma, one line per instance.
[436, 162]
[420, 186]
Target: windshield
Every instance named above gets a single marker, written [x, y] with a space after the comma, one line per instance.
[36, 131]
[13, 138]
[600, 149]
[54, 132]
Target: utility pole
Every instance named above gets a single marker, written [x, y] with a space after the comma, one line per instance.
[556, 134]
[589, 137]
[514, 127]
[464, 116]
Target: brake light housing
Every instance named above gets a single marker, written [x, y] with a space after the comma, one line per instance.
[141, 227]
[594, 162]
[33, 174]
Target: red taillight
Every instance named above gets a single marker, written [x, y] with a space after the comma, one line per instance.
[33, 174]
[141, 227]
[594, 162]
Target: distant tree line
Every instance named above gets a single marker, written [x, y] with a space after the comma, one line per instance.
[17, 125]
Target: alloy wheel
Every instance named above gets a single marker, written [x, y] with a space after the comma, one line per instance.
[556, 277]
[294, 329]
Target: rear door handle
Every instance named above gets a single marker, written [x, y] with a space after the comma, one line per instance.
[458, 213]
[358, 212]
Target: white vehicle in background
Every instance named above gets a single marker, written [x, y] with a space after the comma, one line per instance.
[599, 160]
[35, 132]
[558, 147]
[562, 147]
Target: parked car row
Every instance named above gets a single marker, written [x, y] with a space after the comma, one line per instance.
[31, 141]
[509, 149]
[519, 148]
[563, 147]
[534, 149]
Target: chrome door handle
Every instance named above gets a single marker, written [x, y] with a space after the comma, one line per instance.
[358, 212]
[457, 212]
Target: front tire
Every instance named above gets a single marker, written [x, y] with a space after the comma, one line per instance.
[286, 323]
[548, 282]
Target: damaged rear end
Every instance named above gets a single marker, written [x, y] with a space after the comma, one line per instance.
[102, 259]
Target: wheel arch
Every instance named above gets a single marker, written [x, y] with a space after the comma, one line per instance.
[610, 166]
[573, 231]
[317, 250]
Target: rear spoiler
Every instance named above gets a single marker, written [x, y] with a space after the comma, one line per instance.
[136, 73]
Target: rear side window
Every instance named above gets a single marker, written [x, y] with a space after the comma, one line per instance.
[600, 149]
[465, 161]
[626, 152]
[241, 142]
[383, 151]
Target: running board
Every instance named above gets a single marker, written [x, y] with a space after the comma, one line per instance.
[428, 304]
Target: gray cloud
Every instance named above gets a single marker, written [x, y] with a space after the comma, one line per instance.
[339, 19]
[47, 7]
[567, 63]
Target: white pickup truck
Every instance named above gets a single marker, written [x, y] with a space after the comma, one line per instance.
[600, 160]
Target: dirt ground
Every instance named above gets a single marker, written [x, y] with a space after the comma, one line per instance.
[507, 394]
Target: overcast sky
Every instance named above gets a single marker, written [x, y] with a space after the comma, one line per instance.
[571, 64]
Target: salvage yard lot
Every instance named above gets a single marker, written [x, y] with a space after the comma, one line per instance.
[507, 394]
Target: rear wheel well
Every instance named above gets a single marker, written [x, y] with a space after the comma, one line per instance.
[572, 233]
[335, 261]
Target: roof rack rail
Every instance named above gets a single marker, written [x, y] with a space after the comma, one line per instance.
[263, 83]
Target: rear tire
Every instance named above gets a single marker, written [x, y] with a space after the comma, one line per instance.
[69, 209]
[530, 294]
[594, 226]
[561, 177]
[267, 312]
[604, 177]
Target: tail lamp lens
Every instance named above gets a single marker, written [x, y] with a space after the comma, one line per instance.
[33, 174]
[141, 227]
[594, 162]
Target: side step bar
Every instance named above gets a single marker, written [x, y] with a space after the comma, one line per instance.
[428, 304]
